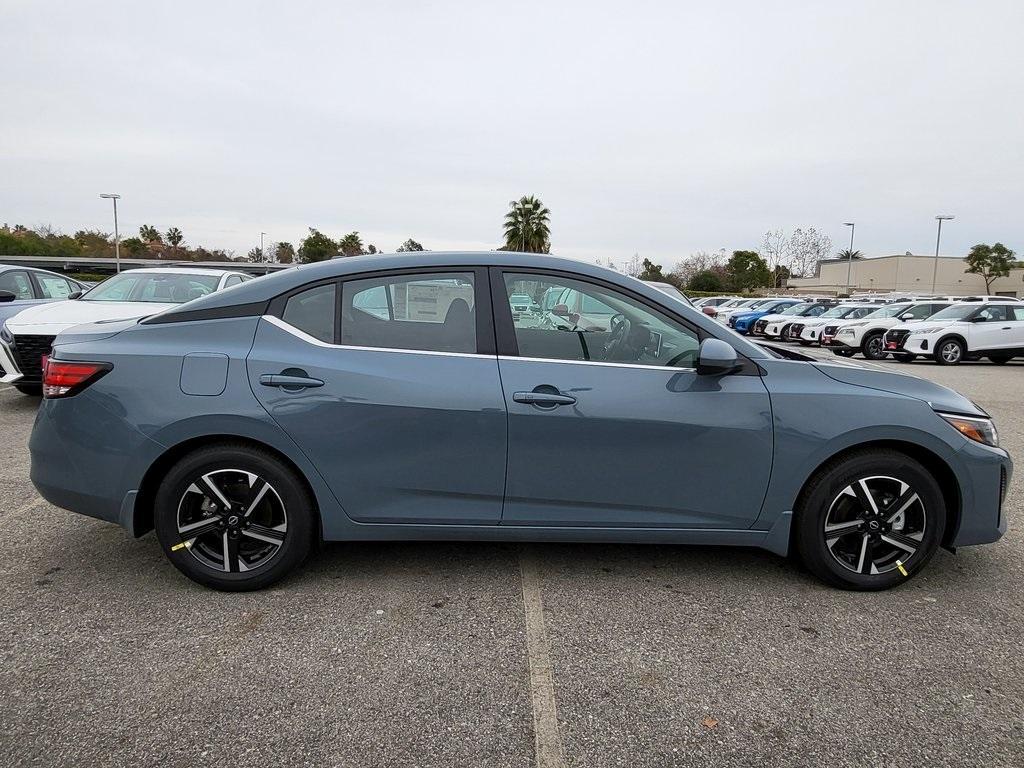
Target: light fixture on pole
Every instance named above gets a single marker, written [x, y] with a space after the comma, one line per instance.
[938, 237]
[849, 253]
[117, 237]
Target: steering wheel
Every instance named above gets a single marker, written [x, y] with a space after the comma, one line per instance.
[618, 336]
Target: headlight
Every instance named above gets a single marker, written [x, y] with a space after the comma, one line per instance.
[923, 331]
[853, 325]
[978, 429]
[5, 333]
[845, 332]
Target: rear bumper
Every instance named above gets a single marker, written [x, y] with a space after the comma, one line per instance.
[90, 459]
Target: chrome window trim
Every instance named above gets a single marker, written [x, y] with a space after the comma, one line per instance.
[641, 366]
[300, 334]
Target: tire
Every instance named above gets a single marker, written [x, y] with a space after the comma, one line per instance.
[949, 352]
[32, 390]
[872, 347]
[843, 352]
[804, 343]
[904, 357]
[260, 542]
[839, 556]
[1000, 359]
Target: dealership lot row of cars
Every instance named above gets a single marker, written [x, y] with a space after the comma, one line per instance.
[946, 329]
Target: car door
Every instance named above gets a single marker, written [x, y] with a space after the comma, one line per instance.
[990, 328]
[615, 428]
[53, 287]
[389, 384]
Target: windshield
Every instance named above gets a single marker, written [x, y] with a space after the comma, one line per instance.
[954, 312]
[889, 311]
[150, 287]
[835, 312]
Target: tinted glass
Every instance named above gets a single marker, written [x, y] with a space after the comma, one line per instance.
[1017, 312]
[954, 312]
[432, 312]
[16, 282]
[313, 311]
[165, 288]
[623, 331]
[53, 287]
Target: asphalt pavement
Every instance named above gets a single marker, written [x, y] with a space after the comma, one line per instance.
[467, 654]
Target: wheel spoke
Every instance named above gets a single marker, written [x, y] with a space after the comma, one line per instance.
[903, 542]
[230, 544]
[257, 490]
[836, 530]
[198, 528]
[864, 496]
[865, 562]
[262, 533]
[213, 492]
[899, 506]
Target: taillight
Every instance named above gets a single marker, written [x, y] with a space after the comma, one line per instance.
[63, 378]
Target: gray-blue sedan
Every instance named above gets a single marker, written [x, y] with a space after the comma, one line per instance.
[401, 397]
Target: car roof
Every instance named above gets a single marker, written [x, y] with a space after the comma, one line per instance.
[178, 271]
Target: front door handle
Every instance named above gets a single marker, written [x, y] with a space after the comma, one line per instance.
[288, 381]
[543, 399]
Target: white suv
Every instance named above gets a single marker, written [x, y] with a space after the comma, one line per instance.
[865, 335]
[969, 331]
[808, 331]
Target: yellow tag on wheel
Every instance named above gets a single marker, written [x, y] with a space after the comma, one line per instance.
[902, 570]
[178, 546]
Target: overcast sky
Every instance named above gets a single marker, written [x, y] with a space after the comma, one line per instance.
[659, 128]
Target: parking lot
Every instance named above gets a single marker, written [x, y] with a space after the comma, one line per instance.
[439, 654]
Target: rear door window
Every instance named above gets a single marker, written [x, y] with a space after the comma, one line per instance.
[433, 312]
[53, 287]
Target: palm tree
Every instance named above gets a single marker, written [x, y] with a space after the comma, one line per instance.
[174, 237]
[846, 253]
[150, 234]
[351, 245]
[526, 226]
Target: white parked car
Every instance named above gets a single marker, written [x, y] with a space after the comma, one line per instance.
[865, 335]
[964, 331]
[772, 326]
[26, 338]
[809, 331]
[751, 305]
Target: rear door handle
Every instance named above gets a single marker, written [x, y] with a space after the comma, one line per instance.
[549, 399]
[286, 381]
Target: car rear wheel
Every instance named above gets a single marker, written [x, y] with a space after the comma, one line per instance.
[234, 517]
[949, 352]
[872, 347]
[870, 520]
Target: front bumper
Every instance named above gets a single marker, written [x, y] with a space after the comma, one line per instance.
[10, 368]
[919, 345]
[984, 476]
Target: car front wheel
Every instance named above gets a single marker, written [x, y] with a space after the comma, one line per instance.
[870, 520]
[872, 347]
[234, 517]
[949, 352]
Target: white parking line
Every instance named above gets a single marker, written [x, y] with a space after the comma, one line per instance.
[547, 743]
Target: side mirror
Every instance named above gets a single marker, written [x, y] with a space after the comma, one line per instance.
[979, 319]
[907, 316]
[75, 295]
[6, 296]
[716, 358]
[560, 310]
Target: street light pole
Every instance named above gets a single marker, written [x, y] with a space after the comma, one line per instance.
[263, 253]
[117, 237]
[849, 254]
[938, 237]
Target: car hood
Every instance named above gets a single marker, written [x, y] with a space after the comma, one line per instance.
[53, 318]
[775, 317]
[863, 375]
[917, 324]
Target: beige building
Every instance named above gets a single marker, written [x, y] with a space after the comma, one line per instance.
[905, 274]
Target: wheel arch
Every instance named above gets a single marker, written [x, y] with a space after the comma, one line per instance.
[946, 337]
[944, 476]
[142, 515]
